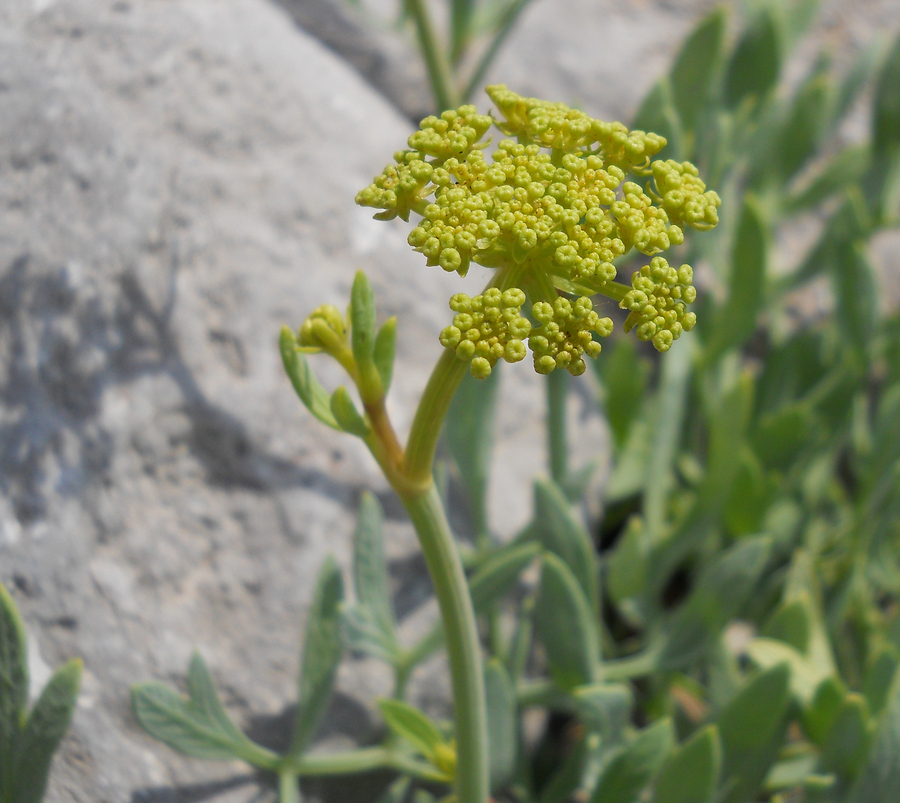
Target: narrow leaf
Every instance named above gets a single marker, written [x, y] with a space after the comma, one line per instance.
[47, 724]
[755, 63]
[345, 413]
[847, 746]
[623, 375]
[362, 633]
[657, 113]
[563, 535]
[370, 576]
[691, 773]
[721, 592]
[856, 295]
[385, 351]
[321, 653]
[13, 684]
[634, 767]
[751, 732]
[469, 433]
[502, 723]
[499, 574]
[566, 626]
[880, 778]
[736, 320]
[362, 319]
[307, 387]
[411, 724]
[695, 67]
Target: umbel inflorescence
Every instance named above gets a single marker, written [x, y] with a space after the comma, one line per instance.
[551, 210]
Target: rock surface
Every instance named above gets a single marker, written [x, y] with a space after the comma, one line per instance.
[177, 181]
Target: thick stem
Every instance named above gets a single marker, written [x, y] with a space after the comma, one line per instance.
[426, 427]
[461, 635]
[288, 788]
[557, 445]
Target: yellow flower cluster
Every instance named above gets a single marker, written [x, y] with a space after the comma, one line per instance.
[657, 303]
[550, 210]
[556, 126]
[564, 335]
[681, 192]
[487, 328]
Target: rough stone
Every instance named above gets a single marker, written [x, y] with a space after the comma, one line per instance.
[176, 181]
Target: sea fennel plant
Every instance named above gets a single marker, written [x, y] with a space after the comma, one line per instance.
[549, 211]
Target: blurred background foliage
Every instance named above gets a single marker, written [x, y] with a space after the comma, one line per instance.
[743, 640]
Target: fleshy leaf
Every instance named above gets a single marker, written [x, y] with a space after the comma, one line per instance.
[322, 650]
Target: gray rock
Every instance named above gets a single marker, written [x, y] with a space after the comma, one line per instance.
[177, 181]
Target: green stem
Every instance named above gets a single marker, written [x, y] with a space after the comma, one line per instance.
[288, 788]
[461, 636]
[364, 759]
[503, 29]
[557, 445]
[430, 415]
[435, 61]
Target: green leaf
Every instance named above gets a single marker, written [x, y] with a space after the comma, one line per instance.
[307, 387]
[691, 773]
[362, 633]
[13, 684]
[721, 592]
[413, 725]
[880, 672]
[802, 132]
[806, 674]
[322, 650]
[461, 13]
[669, 410]
[346, 414]
[566, 626]
[820, 715]
[469, 433]
[657, 113]
[495, 578]
[694, 71]
[502, 723]
[623, 375]
[565, 781]
[605, 708]
[179, 723]
[847, 746]
[499, 574]
[204, 697]
[561, 534]
[755, 63]
[843, 169]
[751, 729]
[628, 566]
[736, 320]
[855, 292]
[880, 778]
[385, 351]
[886, 110]
[370, 576]
[634, 767]
[47, 724]
[362, 319]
